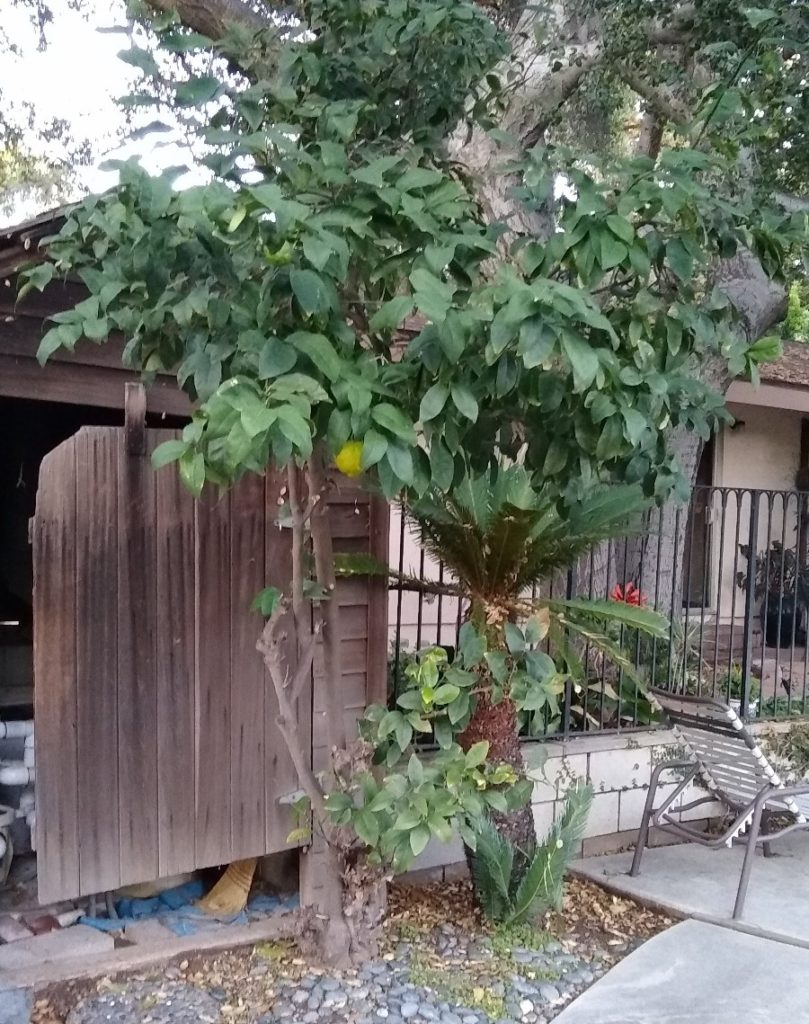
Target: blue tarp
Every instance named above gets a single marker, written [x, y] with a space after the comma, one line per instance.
[177, 910]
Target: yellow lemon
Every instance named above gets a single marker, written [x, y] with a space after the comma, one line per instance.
[349, 458]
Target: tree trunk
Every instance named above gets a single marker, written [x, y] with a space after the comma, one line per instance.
[497, 724]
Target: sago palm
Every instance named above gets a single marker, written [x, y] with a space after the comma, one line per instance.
[499, 538]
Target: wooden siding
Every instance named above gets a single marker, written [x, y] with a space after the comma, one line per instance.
[92, 374]
[157, 749]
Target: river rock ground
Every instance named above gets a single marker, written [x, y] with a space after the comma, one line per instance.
[439, 964]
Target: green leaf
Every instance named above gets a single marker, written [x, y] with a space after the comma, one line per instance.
[612, 252]
[583, 359]
[321, 352]
[680, 260]
[375, 172]
[537, 342]
[310, 291]
[393, 420]
[419, 838]
[276, 358]
[403, 732]
[267, 601]
[442, 731]
[390, 314]
[636, 425]
[472, 645]
[401, 462]
[434, 400]
[630, 615]
[496, 800]
[477, 753]
[168, 451]
[415, 770]
[137, 57]
[197, 91]
[445, 694]
[432, 295]
[38, 277]
[295, 428]
[192, 471]
[464, 401]
[62, 336]
[621, 228]
[515, 639]
[757, 16]
[374, 446]
[367, 827]
[442, 466]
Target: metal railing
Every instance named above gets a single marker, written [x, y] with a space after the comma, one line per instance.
[731, 574]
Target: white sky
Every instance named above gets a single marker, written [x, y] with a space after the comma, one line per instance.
[78, 78]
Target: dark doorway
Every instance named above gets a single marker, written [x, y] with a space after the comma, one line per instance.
[697, 551]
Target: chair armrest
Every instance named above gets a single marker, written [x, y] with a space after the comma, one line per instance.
[767, 795]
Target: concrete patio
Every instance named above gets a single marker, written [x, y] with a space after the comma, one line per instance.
[710, 969]
[697, 973]
[691, 881]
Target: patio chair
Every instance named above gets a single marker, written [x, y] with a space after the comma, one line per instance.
[728, 760]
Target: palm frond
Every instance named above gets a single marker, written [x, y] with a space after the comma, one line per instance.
[541, 886]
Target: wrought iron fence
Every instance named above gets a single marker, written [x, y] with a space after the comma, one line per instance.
[731, 574]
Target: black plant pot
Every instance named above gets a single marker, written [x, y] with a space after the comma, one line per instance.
[783, 621]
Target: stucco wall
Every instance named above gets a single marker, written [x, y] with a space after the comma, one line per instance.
[619, 769]
[425, 620]
[760, 452]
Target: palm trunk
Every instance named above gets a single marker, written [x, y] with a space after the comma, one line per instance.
[497, 724]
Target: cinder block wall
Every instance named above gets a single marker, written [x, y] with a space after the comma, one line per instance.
[619, 769]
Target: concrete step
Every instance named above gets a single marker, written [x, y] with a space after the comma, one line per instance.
[80, 940]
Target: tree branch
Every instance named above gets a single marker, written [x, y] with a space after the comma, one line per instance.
[658, 99]
[270, 645]
[213, 18]
[324, 569]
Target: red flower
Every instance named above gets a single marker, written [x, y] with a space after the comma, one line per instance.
[628, 594]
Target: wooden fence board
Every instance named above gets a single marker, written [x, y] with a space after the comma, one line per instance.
[213, 763]
[175, 673]
[55, 695]
[248, 514]
[96, 657]
[137, 679]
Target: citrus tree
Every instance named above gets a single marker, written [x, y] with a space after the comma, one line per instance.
[334, 212]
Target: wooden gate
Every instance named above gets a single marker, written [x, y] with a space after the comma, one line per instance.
[156, 745]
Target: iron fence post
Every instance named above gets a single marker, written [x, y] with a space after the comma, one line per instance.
[749, 602]
[570, 590]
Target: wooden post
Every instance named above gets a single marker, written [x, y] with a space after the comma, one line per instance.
[135, 418]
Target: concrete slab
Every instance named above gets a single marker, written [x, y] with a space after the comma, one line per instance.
[697, 973]
[78, 941]
[692, 881]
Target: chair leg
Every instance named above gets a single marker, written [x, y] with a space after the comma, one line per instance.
[749, 854]
[648, 810]
[768, 850]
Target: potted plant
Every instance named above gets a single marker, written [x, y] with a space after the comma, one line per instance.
[781, 586]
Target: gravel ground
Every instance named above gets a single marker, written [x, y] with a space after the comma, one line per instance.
[439, 965]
